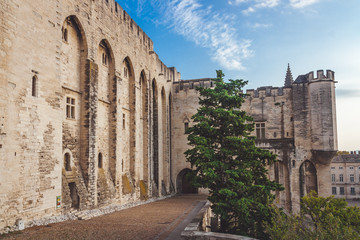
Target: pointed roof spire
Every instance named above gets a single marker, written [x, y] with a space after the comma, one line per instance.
[289, 78]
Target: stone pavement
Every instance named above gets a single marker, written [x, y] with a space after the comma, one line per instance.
[164, 219]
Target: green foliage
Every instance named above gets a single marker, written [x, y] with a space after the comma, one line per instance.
[227, 162]
[320, 218]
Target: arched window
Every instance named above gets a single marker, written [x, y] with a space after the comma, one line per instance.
[67, 162]
[100, 161]
[34, 86]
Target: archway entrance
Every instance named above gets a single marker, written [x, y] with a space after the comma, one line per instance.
[75, 199]
[183, 184]
[308, 178]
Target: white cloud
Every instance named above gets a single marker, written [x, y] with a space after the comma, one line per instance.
[208, 29]
[302, 3]
[237, 2]
[256, 4]
[253, 5]
[260, 25]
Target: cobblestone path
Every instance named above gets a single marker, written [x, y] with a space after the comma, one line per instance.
[156, 220]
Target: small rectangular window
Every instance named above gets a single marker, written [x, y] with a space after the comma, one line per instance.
[70, 108]
[351, 168]
[34, 87]
[334, 190]
[352, 178]
[260, 130]
[352, 191]
[332, 167]
[123, 120]
[340, 168]
[341, 178]
[342, 191]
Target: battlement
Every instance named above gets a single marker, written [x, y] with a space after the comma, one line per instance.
[265, 91]
[330, 75]
[169, 73]
[185, 85]
[113, 9]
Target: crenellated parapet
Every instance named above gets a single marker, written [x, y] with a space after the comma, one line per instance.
[266, 91]
[185, 85]
[320, 76]
[113, 10]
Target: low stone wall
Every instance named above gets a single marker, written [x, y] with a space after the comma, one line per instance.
[200, 228]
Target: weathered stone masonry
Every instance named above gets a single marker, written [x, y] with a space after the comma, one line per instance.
[297, 122]
[89, 115]
[84, 107]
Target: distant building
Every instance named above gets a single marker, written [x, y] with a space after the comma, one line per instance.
[345, 176]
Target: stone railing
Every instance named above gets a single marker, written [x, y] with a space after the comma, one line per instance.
[200, 228]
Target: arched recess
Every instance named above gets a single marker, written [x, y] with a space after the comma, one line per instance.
[165, 158]
[74, 52]
[145, 126]
[106, 107]
[155, 134]
[183, 184]
[129, 111]
[281, 175]
[170, 142]
[308, 178]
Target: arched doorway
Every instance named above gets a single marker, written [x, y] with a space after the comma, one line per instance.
[183, 184]
[308, 178]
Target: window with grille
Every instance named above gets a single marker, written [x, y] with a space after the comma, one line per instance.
[333, 177]
[352, 191]
[341, 178]
[352, 178]
[260, 130]
[334, 190]
[70, 108]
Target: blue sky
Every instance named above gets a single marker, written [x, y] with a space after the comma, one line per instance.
[256, 39]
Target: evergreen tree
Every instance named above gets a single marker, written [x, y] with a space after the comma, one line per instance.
[227, 162]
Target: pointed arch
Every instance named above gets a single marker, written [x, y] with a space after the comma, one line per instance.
[183, 184]
[128, 73]
[145, 126]
[73, 21]
[106, 107]
[165, 159]
[155, 135]
[308, 178]
[170, 110]
[74, 53]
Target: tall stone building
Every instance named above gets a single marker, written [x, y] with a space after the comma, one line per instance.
[297, 122]
[90, 116]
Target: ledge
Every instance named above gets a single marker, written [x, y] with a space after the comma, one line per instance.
[198, 228]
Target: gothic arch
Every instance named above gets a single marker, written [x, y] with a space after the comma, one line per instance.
[165, 158]
[73, 60]
[155, 134]
[129, 75]
[106, 107]
[145, 125]
[182, 182]
[308, 178]
[74, 21]
[170, 141]
[68, 160]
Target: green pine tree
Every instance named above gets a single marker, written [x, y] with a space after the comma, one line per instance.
[227, 162]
